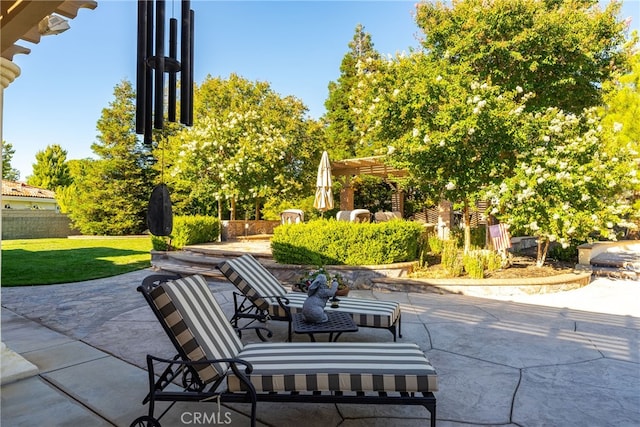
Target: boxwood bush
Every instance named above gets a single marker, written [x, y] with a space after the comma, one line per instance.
[331, 242]
[188, 230]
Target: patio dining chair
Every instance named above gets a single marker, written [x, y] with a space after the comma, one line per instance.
[213, 365]
[292, 216]
[262, 297]
[360, 215]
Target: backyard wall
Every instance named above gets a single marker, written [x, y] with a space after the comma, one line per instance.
[236, 229]
[34, 224]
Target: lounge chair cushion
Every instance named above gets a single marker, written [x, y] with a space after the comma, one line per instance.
[347, 367]
[198, 324]
[365, 312]
[256, 282]
[253, 280]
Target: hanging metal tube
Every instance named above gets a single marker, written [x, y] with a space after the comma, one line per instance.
[148, 101]
[152, 64]
[186, 73]
[173, 55]
[158, 115]
[141, 69]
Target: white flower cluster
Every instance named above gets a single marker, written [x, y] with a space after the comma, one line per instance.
[617, 127]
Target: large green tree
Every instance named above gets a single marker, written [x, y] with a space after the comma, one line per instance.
[8, 172]
[112, 192]
[342, 135]
[561, 50]
[453, 134]
[621, 112]
[50, 170]
[568, 188]
[457, 112]
[247, 144]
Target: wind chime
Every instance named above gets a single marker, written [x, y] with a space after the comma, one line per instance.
[150, 88]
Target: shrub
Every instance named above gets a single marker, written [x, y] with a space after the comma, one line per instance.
[188, 230]
[474, 264]
[423, 249]
[327, 242]
[570, 253]
[451, 262]
[478, 236]
[493, 261]
[435, 244]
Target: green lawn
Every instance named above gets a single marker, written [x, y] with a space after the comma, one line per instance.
[49, 261]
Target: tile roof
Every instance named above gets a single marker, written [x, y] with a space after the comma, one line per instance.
[19, 189]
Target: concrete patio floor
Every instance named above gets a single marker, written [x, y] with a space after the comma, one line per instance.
[565, 359]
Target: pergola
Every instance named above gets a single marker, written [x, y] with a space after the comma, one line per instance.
[344, 170]
[441, 216]
[374, 166]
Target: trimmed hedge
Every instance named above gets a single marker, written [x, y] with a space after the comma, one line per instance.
[330, 242]
[188, 230]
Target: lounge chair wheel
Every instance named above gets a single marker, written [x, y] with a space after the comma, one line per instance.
[145, 421]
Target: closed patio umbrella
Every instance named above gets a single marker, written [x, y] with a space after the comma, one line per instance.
[324, 198]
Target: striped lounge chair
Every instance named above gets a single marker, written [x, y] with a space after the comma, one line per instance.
[214, 365]
[262, 297]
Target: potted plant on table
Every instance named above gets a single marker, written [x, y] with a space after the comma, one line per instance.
[303, 284]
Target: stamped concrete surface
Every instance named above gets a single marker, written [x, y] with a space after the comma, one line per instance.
[565, 359]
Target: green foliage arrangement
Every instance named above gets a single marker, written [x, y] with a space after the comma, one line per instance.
[435, 244]
[305, 281]
[330, 242]
[473, 263]
[372, 193]
[451, 261]
[493, 261]
[188, 230]
[478, 236]
[570, 253]
[477, 263]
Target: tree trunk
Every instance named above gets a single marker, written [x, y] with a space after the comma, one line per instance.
[543, 248]
[488, 243]
[232, 213]
[220, 219]
[257, 209]
[467, 227]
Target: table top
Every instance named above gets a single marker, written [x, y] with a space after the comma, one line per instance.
[339, 321]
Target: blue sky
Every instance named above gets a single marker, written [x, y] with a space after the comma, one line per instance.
[296, 46]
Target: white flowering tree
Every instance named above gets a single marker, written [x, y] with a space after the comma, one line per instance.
[567, 188]
[247, 144]
[459, 114]
[455, 136]
[621, 112]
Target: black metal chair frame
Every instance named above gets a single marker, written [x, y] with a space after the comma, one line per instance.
[245, 308]
[194, 390]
